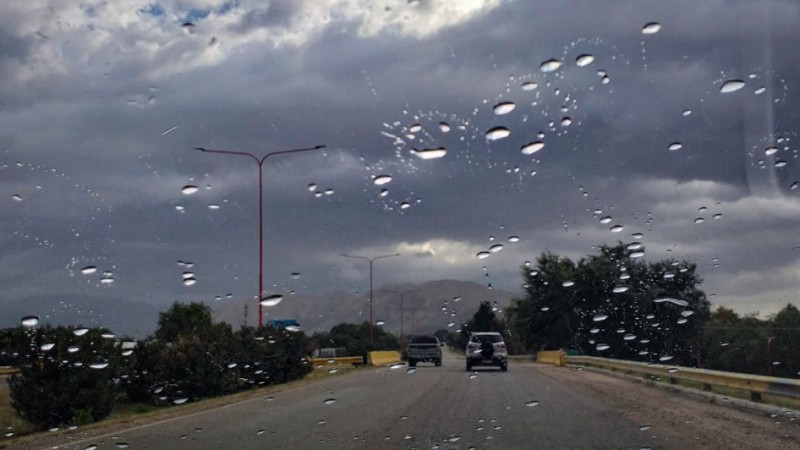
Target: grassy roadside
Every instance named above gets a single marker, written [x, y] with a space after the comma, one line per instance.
[133, 415]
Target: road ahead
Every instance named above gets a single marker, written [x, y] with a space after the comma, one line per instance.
[433, 407]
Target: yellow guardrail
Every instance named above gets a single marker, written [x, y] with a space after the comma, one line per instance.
[354, 360]
[383, 358]
[755, 385]
[8, 370]
[555, 357]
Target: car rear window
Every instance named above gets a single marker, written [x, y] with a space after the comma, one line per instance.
[424, 340]
[487, 338]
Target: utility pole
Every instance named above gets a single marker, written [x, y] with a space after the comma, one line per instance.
[402, 311]
[371, 260]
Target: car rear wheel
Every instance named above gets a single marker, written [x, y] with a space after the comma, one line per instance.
[412, 362]
[469, 366]
[438, 362]
[504, 367]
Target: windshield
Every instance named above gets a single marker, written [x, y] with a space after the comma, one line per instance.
[204, 198]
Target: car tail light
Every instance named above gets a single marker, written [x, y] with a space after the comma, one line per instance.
[502, 346]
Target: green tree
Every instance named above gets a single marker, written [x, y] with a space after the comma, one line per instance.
[181, 319]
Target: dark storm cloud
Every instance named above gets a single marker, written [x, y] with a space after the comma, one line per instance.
[125, 151]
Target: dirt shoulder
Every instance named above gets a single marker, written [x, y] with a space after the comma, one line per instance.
[686, 420]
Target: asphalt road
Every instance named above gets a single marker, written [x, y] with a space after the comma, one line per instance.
[433, 407]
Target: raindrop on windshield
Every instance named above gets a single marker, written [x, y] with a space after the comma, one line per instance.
[675, 146]
[651, 28]
[88, 270]
[380, 180]
[497, 133]
[770, 150]
[599, 317]
[620, 289]
[584, 60]
[189, 189]
[568, 284]
[699, 220]
[616, 228]
[429, 153]
[188, 28]
[550, 65]
[483, 255]
[17, 197]
[529, 85]
[601, 347]
[532, 147]
[606, 219]
[380, 322]
[271, 300]
[295, 275]
[496, 248]
[329, 401]
[513, 239]
[566, 121]
[189, 281]
[731, 86]
[444, 126]
[80, 331]
[503, 108]
[415, 128]
[29, 321]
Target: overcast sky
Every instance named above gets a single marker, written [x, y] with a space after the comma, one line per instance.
[102, 103]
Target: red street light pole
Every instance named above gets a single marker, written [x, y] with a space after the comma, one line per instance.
[370, 284]
[260, 162]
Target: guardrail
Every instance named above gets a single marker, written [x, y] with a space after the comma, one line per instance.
[8, 370]
[354, 360]
[383, 358]
[754, 385]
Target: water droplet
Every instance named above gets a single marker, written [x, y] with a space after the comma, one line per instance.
[483, 255]
[98, 365]
[686, 112]
[760, 90]
[637, 235]
[699, 220]
[770, 150]
[602, 347]
[293, 328]
[568, 284]
[637, 254]
[532, 147]
[781, 163]
[584, 60]
[88, 270]
[529, 85]
[444, 126]
[17, 197]
[664, 358]
[616, 228]
[312, 187]
[731, 86]
[271, 300]
[90, 447]
[72, 349]
[189, 281]
[674, 301]
[380, 180]
[550, 65]
[513, 239]
[384, 192]
[213, 207]
[189, 189]
[180, 401]
[380, 322]
[629, 337]
[47, 347]
[503, 108]
[644, 427]
[675, 146]
[296, 275]
[411, 370]
[188, 27]
[429, 153]
[682, 321]
[599, 317]
[496, 248]
[397, 366]
[415, 128]
[329, 401]
[497, 133]
[651, 28]
[532, 403]
[620, 289]
[606, 219]
[80, 331]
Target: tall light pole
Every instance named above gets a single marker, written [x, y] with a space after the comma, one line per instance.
[402, 310]
[260, 162]
[371, 260]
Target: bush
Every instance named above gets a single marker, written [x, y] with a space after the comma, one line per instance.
[70, 383]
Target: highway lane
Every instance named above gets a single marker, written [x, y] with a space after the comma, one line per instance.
[433, 407]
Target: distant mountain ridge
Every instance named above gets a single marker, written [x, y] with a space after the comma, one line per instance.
[429, 306]
[122, 317]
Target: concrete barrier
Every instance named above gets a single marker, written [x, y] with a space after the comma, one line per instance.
[383, 358]
[555, 357]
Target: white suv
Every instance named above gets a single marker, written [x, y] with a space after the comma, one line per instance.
[487, 349]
